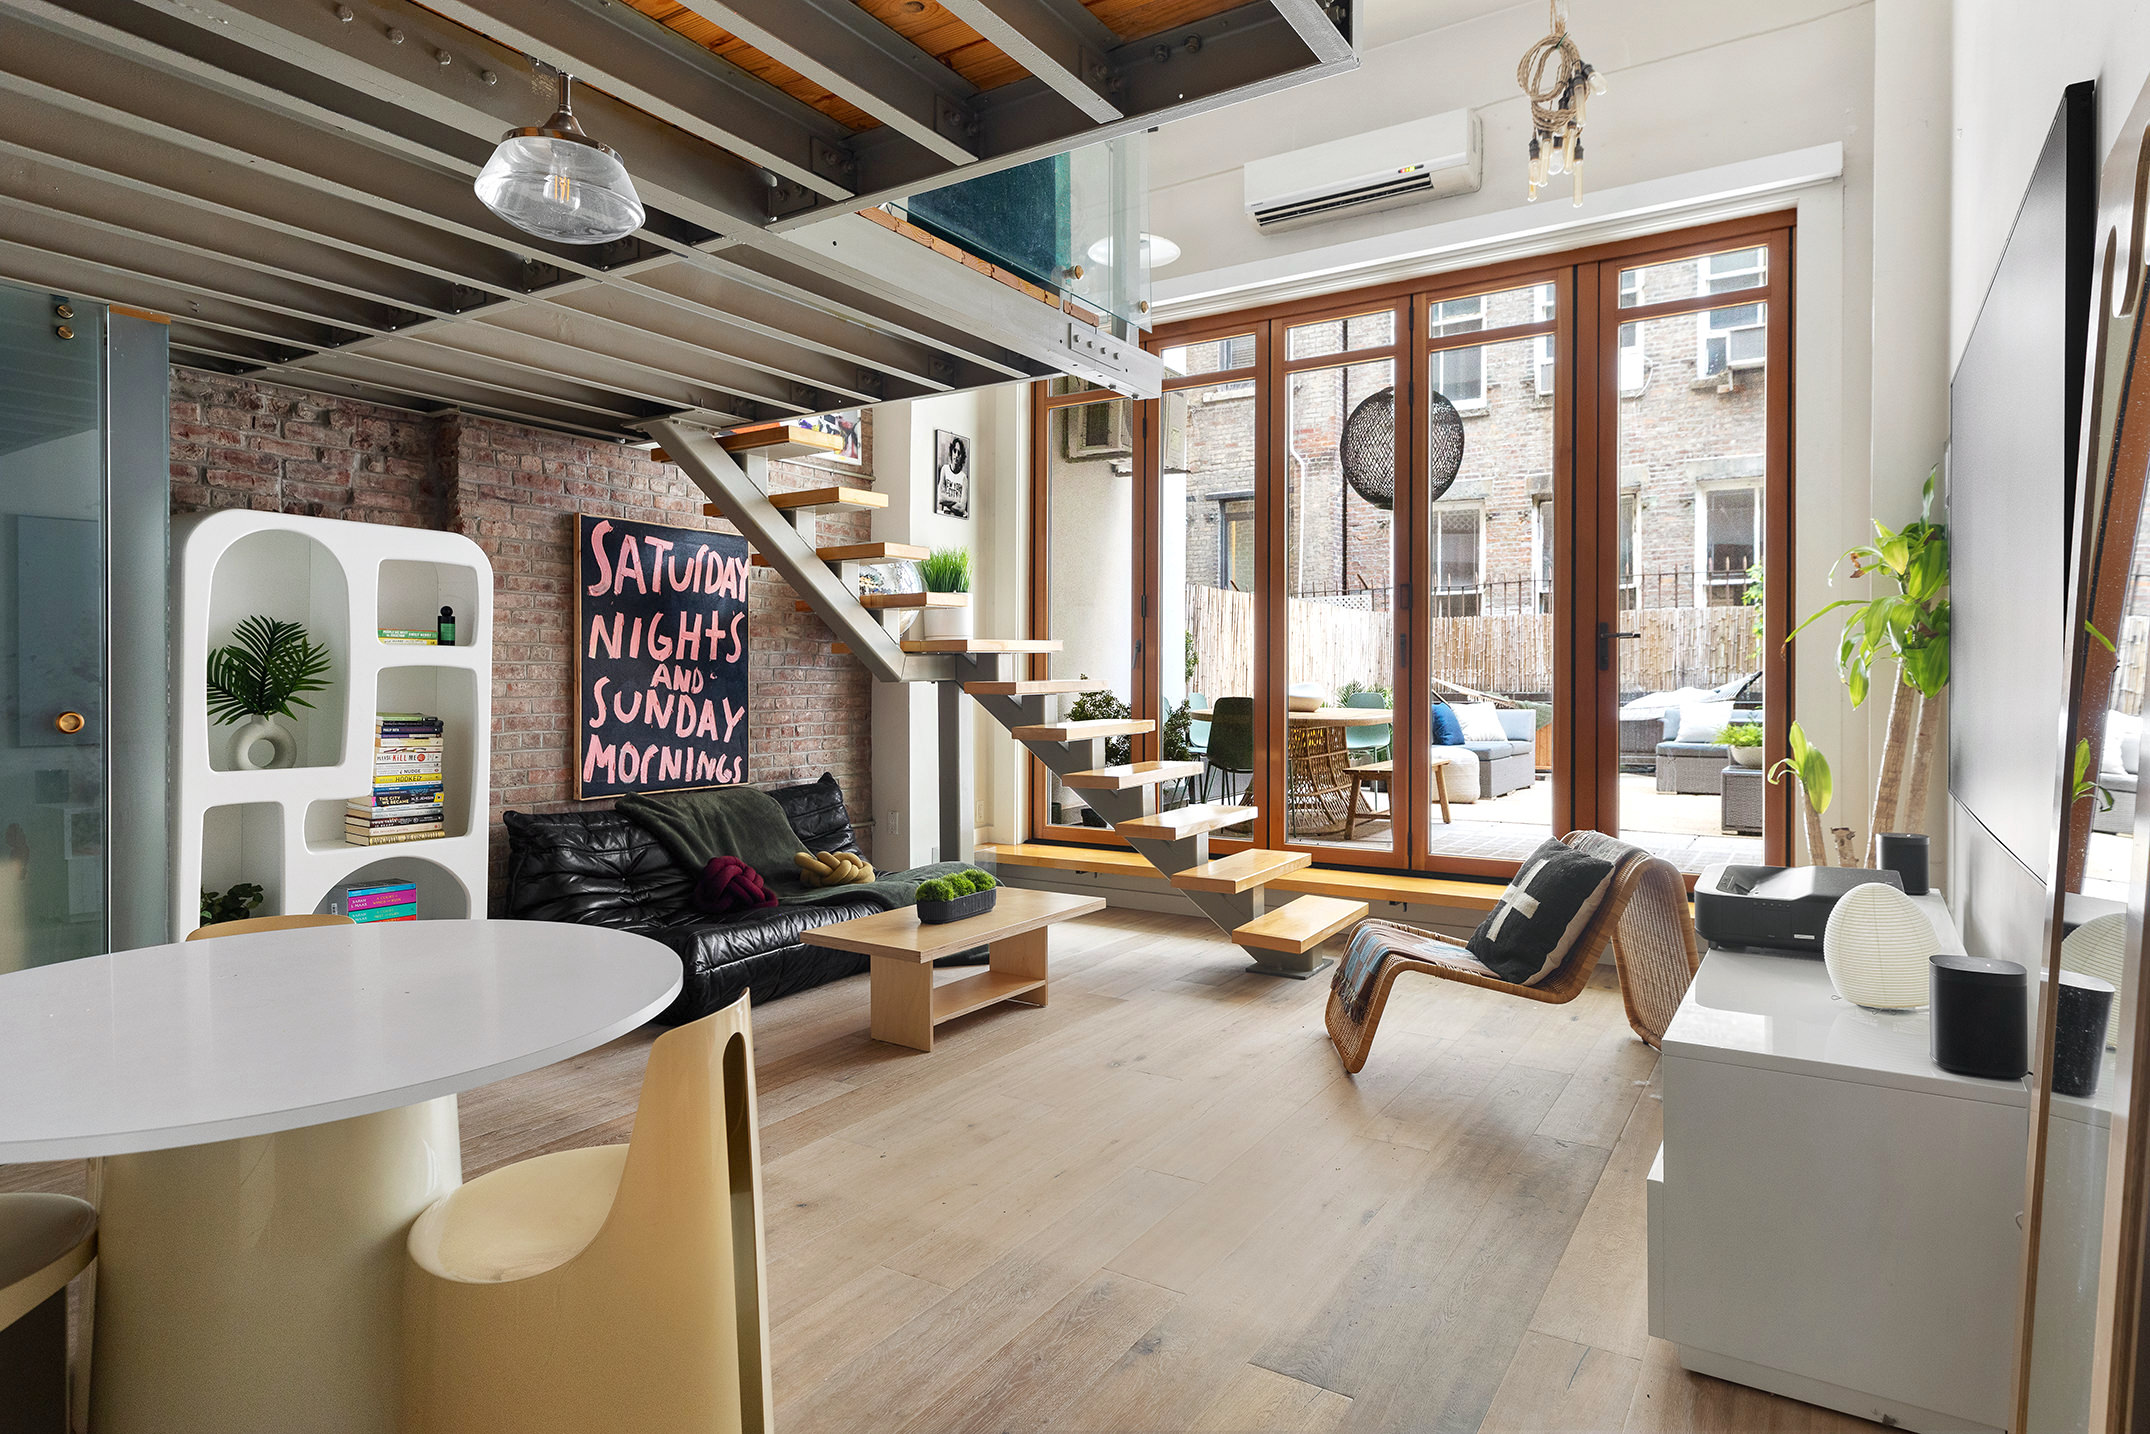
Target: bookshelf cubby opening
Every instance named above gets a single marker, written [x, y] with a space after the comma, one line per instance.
[441, 896]
[244, 841]
[413, 593]
[282, 574]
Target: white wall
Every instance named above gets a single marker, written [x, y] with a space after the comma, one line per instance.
[906, 722]
[1699, 94]
[2012, 59]
[1693, 84]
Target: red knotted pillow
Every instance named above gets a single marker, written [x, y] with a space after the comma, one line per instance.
[728, 884]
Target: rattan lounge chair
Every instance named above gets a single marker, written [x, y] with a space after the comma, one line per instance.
[1645, 918]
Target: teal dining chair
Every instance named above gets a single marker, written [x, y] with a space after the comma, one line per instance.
[1367, 744]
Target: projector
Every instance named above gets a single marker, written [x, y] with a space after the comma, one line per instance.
[1775, 908]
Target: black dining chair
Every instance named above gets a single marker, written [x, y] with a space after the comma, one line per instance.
[1231, 742]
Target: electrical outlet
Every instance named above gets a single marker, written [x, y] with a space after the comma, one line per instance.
[979, 818]
[895, 823]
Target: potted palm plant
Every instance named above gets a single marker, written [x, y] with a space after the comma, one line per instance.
[263, 674]
[947, 570]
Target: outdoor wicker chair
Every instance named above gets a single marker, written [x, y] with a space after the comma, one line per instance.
[1644, 917]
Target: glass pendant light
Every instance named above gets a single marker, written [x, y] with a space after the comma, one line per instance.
[556, 182]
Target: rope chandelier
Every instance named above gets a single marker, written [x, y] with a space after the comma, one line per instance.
[1556, 105]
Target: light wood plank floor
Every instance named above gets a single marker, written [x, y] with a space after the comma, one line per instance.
[1157, 1203]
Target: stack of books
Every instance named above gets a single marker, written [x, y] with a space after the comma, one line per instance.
[411, 636]
[381, 901]
[405, 804]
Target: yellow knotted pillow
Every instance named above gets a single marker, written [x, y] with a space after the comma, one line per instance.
[832, 868]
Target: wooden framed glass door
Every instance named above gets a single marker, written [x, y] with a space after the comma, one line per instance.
[1576, 448]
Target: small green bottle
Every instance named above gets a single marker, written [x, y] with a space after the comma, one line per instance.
[446, 631]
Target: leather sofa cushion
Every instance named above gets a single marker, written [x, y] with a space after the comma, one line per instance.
[593, 867]
[817, 814]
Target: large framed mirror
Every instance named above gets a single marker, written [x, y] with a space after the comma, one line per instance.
[2085, 1176]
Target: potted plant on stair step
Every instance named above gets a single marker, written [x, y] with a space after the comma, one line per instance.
[946, 570]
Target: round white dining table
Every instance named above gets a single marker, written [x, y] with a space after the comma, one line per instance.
[267, 1115]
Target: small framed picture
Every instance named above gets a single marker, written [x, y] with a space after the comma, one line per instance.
[847, 426]
[951, 473]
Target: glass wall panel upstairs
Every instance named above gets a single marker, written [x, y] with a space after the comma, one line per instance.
[1072, 224]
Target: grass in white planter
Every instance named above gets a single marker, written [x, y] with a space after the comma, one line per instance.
[946, 570]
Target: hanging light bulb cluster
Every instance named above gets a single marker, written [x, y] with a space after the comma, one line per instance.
[1557, 97]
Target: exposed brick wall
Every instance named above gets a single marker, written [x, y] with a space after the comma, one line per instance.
[515, 491]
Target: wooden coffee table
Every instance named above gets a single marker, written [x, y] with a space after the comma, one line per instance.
[906, 1005]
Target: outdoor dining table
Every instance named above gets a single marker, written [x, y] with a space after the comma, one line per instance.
[1317, 766]
[266, 1115]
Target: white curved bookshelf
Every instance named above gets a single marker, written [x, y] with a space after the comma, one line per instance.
[284, 828]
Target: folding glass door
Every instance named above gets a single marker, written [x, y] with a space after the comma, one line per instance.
[1428, 573]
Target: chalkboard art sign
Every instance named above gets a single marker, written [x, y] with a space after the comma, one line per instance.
[660, 657]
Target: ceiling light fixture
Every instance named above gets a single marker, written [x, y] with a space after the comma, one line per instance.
[1556, 105]
[556, 182]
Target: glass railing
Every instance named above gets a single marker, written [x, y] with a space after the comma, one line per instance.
[1072, 224]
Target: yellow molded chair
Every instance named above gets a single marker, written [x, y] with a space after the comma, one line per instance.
[618, 1287]
[45, 1241]
[246, 926]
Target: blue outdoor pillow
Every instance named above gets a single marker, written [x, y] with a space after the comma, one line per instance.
[1447, 730]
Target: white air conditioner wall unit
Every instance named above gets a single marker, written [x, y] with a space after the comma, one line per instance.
[1422, 159]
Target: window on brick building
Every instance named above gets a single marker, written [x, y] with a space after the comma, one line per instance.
[1547, 357]
[1633, 372]
[1458, 561]
[1235, 543]
[1728, 536]
[1736, 337]
[1541, 547]
[1459, 375]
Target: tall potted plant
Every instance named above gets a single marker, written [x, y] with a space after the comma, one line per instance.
[1906, 623]
[263, 674]
[947, 570]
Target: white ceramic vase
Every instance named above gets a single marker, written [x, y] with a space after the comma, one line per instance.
[937, 622]
[256, 732]
[1876, 948]
[1747, 756]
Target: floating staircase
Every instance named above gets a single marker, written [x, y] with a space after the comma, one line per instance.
[1233, 891]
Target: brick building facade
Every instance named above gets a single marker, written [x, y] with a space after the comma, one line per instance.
[515, 492]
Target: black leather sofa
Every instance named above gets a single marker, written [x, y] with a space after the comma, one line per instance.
[599, 868]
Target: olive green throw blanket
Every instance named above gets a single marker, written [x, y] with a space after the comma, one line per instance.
[742, 822]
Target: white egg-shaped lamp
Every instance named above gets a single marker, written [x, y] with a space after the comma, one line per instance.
[1876, 947]
[2098, 948]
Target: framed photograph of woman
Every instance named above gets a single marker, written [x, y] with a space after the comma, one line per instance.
[951, 473]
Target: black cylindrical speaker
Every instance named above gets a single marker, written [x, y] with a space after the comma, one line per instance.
[1905, 854]
[2086, 1003]
[1980, 1017]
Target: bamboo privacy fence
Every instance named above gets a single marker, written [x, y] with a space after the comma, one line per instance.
[1331, 645]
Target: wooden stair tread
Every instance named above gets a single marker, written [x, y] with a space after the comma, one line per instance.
[1300, 926]
[1186, 821]
[772, 440]
[1394, 886]
[1131, 774]
[980, 645]
[859, 553]
[1083, 731]
[1241, 870]
[1044, 687]
[815, 498]
[1452, 892]
[881, 600]
[1093, 859]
